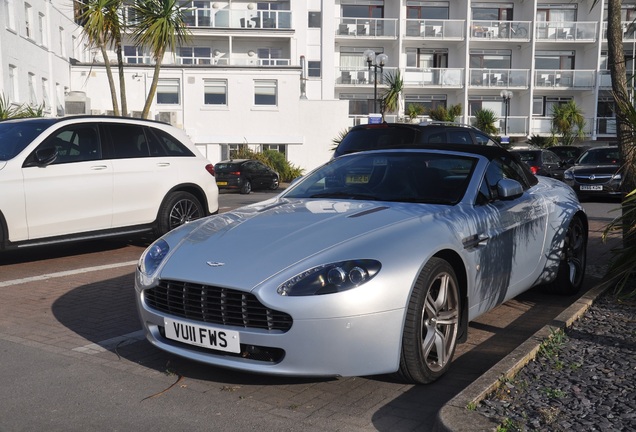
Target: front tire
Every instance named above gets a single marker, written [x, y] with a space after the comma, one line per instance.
[246, 188]
[571, 270]
[177, 209]
[432, 323]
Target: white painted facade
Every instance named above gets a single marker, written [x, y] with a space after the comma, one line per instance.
[448, 52]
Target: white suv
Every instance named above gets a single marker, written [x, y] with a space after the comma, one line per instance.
[74, 178]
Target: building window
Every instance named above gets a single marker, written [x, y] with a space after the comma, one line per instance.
[10, 14]
[280, 148]
[12, 84]
[314, 19]
[28, 19]
[554, 60]
[59, 100]
[168, 91]
[194, 55]
[492, 11]
[434, 11]
[265, 92]
[33, 100]
[74, 47]
[61, 36]
[215, 92]
[491, 59]
[135, 55]
[45, 94]
[313, 69]
[272, 57]
[41, 29]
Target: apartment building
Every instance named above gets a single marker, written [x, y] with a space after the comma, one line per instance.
[292, 75]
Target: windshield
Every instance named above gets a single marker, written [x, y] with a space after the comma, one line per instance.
[421, 177]
[15, 136]
[599, 156]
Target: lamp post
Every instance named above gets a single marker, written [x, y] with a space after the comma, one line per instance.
[506, 95]
[376, 62]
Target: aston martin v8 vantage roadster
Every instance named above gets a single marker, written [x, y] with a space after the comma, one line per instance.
[373, 263]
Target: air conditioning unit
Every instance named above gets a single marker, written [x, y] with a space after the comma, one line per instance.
[167, 117]
[76, 103]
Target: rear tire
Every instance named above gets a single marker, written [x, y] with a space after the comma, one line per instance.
[432, 323]
[177, 209]
[246, 188]
[571, 270]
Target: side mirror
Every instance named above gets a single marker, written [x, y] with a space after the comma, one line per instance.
[42, 157]
[509, 189]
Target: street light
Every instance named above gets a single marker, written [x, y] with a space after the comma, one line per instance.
[376, 62]
[506, 95]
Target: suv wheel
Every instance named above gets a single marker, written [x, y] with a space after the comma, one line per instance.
[177, 209]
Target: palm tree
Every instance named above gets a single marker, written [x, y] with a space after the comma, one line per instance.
[485, 120]
[100, 22]
[391, 100]
[159, 26]
[568, 122]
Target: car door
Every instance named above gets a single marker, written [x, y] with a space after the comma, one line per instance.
[143, 175]
[74, 193]
[509, 237]
[552, 163]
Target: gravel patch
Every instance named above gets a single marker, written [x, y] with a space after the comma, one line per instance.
[583, 379]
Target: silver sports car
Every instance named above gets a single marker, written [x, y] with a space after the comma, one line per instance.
[373, 263]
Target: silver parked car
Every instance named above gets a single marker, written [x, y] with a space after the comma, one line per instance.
[373, 263]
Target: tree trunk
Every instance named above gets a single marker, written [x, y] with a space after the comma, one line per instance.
[111, 82]
[122, 80]
[153, 86]
[624, 128]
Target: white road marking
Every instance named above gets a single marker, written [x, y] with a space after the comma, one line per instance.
[112, 343]
[66, 273]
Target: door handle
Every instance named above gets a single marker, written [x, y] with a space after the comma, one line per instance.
[99, 167]
[475, 241]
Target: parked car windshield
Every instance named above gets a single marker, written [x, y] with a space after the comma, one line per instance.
[599, 156]
[15, 136]
[420, 177]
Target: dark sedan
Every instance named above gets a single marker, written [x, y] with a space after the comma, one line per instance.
[596, 173]
[541, 162]
[244, 175]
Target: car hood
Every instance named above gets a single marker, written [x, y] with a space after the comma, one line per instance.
[594, 169]
[244, 247]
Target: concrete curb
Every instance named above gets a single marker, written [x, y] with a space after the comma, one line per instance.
[455, 415]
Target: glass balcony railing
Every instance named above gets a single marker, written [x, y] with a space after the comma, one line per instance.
[577, 79]
[367, 27]
[433, 77]
[565, 31]
[435, 29]
[502, 78]
[543, 126]
[501, 30]
[629, 31]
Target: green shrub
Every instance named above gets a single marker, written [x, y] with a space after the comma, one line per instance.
[273, 159]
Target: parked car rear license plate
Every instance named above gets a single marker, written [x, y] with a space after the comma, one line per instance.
[221, 183]
[203, 336]
[591, 187]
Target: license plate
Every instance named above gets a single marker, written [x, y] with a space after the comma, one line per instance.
[203, 336]
[221, 183]
[592, 187]
[358, 178]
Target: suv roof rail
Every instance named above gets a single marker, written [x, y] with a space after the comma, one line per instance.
[445, 123]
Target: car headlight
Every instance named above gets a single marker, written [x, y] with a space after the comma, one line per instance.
[330, 278]
[617, 177]
[152, 257]
[568, 175]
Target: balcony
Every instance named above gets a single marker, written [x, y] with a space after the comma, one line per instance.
[517, 125]
[434, 77]
[542, 126]
[434, 29]
[499, 78]
[517, 31]
[360, 75]
[565, 31]
[629, 31]
[565, 79]
[366, 28]
[209, 17]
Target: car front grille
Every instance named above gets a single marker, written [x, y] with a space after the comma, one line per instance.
[593, 179]
[214, 305]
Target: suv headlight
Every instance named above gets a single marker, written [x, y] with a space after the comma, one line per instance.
[568, 175]
[330, 278]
